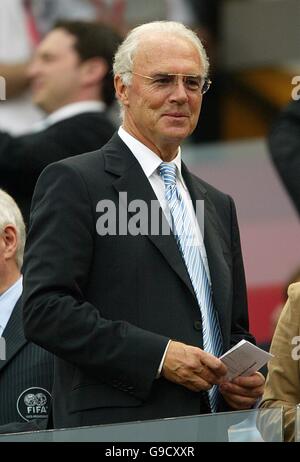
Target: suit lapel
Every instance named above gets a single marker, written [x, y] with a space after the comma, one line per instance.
[14, 334]
[132, 180]
[219, 270]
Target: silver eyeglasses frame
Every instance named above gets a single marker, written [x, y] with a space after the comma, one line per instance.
[205, 86]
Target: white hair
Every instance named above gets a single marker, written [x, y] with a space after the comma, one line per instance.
[124, 57]
[10, 214]
[123, 60]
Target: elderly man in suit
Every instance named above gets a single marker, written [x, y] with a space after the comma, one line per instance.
[72, 82]
[26, 370]
[137, 307]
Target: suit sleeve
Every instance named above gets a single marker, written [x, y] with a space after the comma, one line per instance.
[26, 156]
[240, 321]
[57, 315]
[284, 145]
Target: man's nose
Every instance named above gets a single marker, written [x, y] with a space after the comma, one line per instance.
[179, 91]
[32, 69]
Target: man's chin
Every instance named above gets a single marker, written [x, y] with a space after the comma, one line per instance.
[41, 104]
[177, 134]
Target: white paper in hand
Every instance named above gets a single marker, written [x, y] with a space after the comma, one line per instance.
[244, 359]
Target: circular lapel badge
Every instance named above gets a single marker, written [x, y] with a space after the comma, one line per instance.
[34, 403]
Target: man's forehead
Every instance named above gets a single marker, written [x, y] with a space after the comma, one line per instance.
[154, 42]
[56, 40]
[155, 51]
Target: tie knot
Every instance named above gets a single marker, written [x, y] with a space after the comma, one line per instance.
[168, 173]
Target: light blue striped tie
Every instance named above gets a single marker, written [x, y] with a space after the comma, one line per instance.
[184, 233]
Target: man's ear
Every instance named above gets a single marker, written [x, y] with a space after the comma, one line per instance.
[121, 90]
[10, 239]
[93, 71]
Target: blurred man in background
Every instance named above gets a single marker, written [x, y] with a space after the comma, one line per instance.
[72, 82]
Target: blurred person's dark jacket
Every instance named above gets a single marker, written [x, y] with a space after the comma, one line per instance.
[207, 18]
[284, 144]
[23, 158]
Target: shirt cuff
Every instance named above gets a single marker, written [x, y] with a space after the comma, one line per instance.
[162, 361]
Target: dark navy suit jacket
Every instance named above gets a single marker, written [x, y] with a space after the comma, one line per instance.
[22, 158]
[26, 377]
[107, 306]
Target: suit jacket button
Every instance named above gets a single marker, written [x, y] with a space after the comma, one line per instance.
[198, 325]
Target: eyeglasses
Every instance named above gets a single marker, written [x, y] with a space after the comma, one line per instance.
[194, 83]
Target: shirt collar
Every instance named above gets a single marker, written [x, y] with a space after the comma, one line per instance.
[148, 159]
[8, 300]
[70, 110]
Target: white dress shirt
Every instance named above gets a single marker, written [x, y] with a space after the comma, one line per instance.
[7, 302]
[149, 161]
[67, 111]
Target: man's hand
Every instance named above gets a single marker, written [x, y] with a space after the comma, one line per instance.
[192, 367]
[243, 392]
